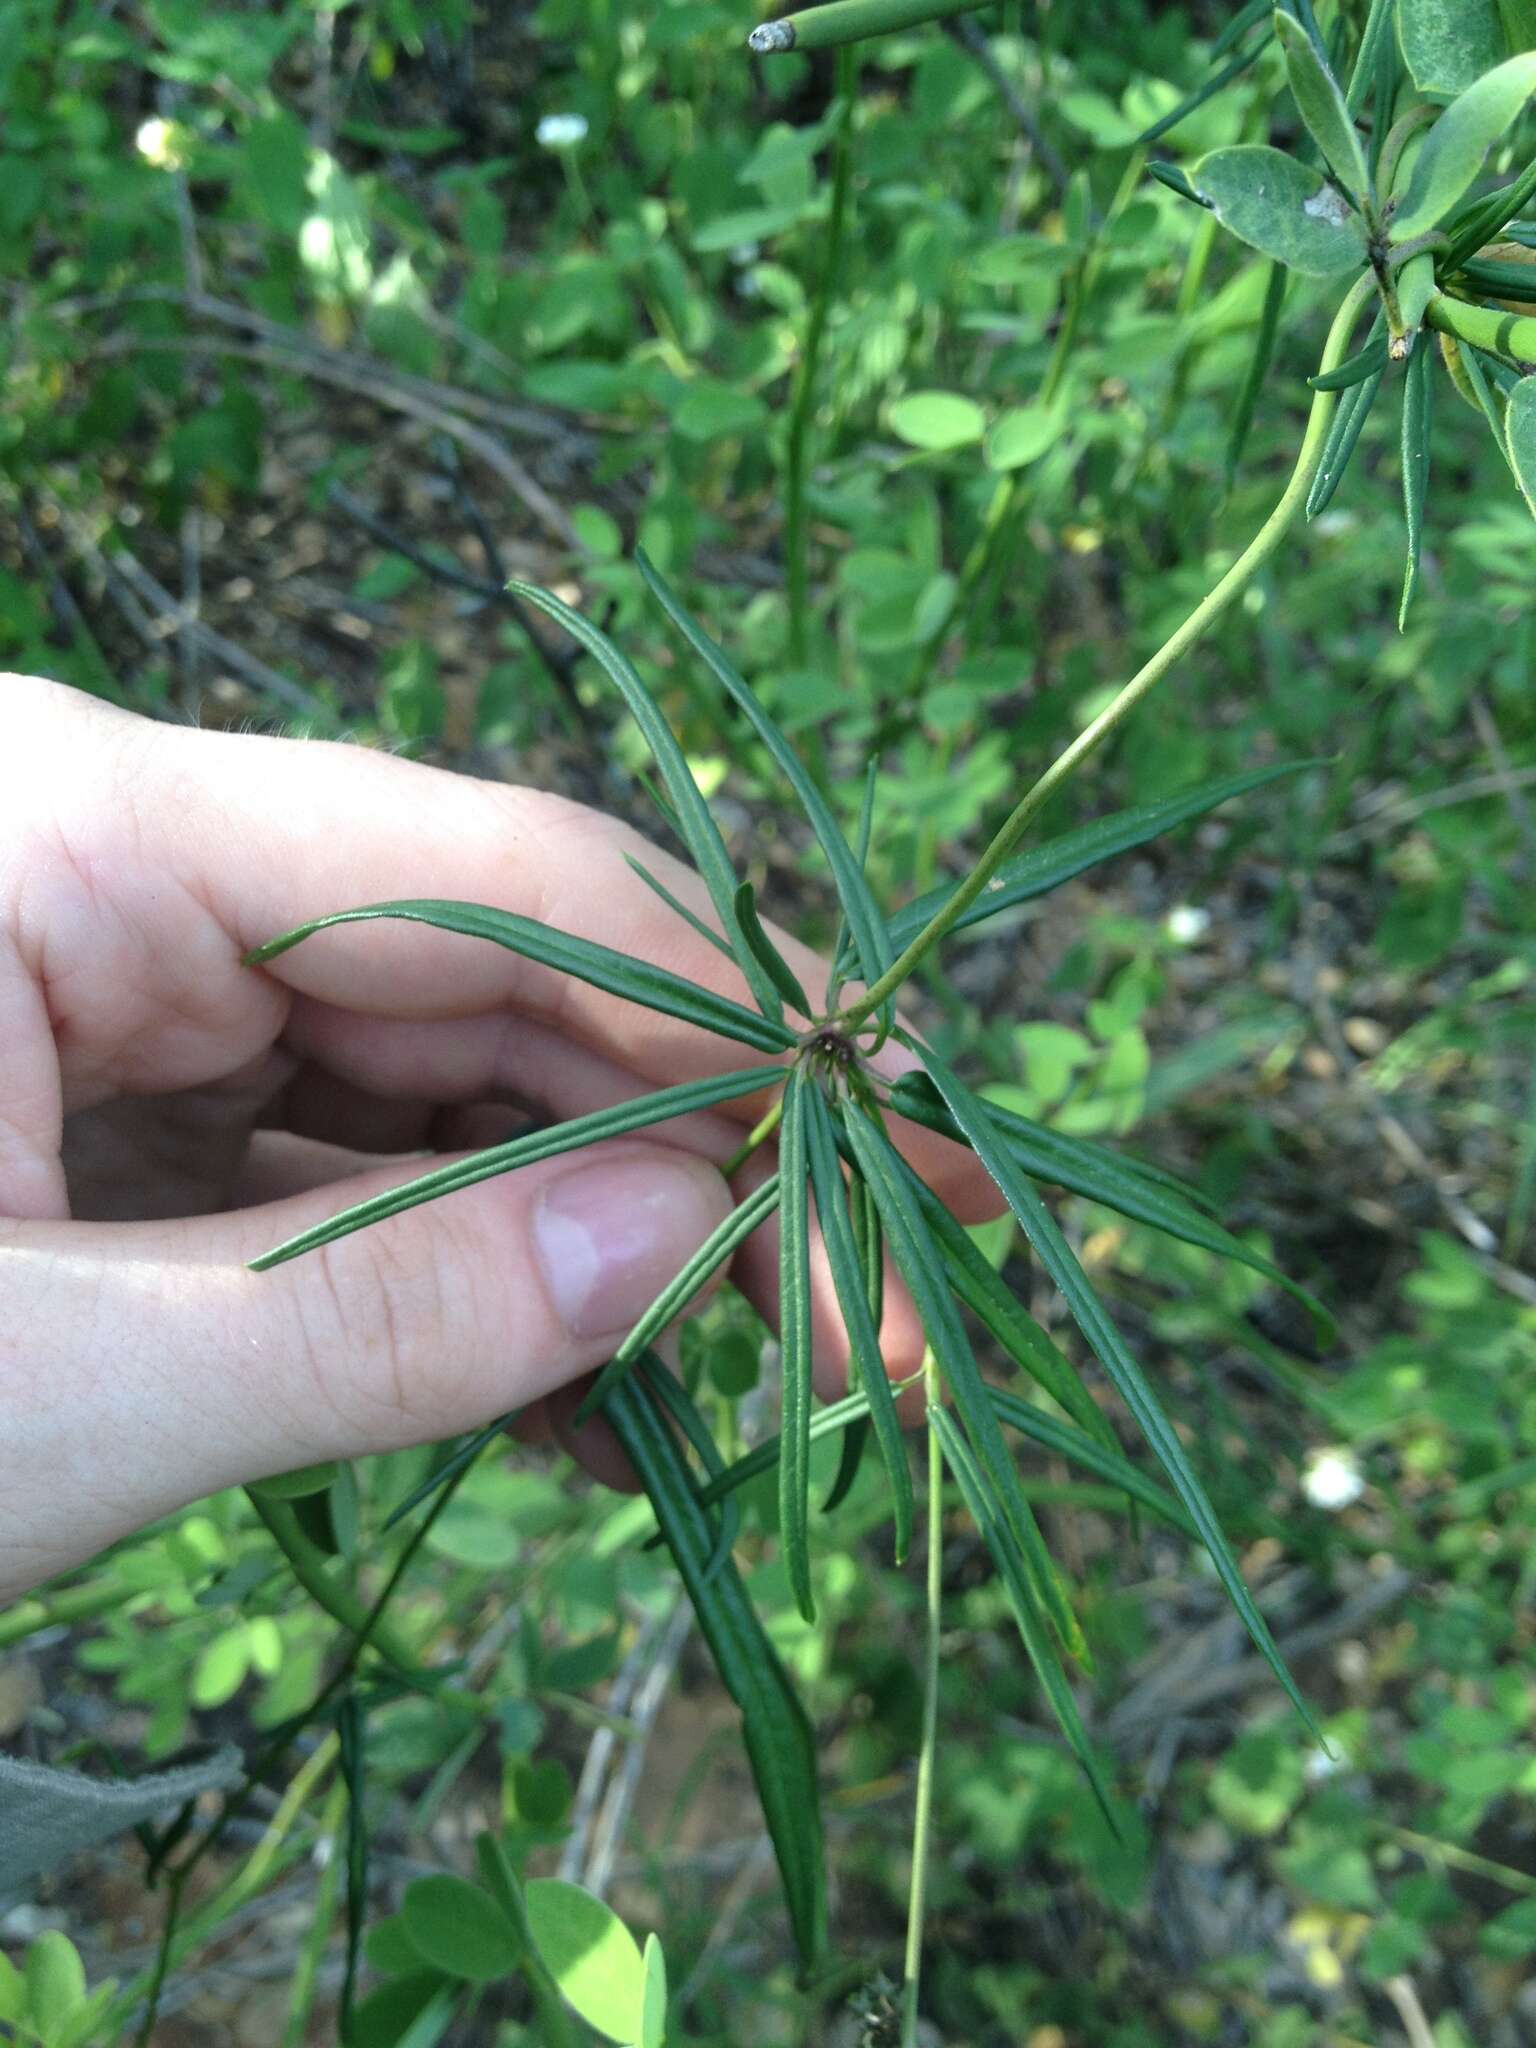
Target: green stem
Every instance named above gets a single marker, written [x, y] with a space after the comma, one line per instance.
[73, 1604]
[803, 404]
[1194, 628]
[1433, 1850]
[759, 1133]
[922, 1819]
[176, 1944]
[308, 1565]
[849, 21]
[1485, 327]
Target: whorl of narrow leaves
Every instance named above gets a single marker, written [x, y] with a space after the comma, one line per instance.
[836, 1161]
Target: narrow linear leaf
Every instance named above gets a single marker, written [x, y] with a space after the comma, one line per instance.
[1090, 1454]
[639, 1114]
[861, 855]
[871, 940]
[1047, 866]
[1356, 368]
[1492, 279]
[695, 823]
[1320, 103]
[769, 958]
[352, 1758]
[1176, 181]
[1056, 1255]
[871, 1246]
[668, 1390]
[851, 1278]
[1102, 1177]
[828, 1421]
[921, 1266]
[1197, 99]
[1081, 1165]
[780, 1745]
[1003, 1549]
[795, 1342]
[1378, 29]
[855, 1437]
[1418, 414]
[1482, 221]
[659, 888]
[987, 1296]
[1520, 437]
[1348, 424]
[464, 1453]
[1245, 18]
[721, 1244]
[616, 973]
[1284, 209]
[1258, 368]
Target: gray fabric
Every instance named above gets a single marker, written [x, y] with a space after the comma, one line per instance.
[46, 1814]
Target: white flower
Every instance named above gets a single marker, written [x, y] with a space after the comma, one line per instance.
[1332, 1480]
[161, 143]
[1321, 1765]
[1186, 925]
[562, 131]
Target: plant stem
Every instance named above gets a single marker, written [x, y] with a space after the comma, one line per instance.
[848, 21]
[73, 1604]
[760, 1131]
[1485, 327]
[803, 404]
[922, 1818]
[242, 1886]
[308, 1566]
[1194, 628]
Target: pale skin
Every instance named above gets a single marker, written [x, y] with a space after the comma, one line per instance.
[167, 1113]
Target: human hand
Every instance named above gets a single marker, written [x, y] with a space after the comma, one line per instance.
[167, 1114]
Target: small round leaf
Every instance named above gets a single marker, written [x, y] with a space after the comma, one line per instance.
[937, 420]
[55, 1978]
[1022, 436]
[591, 1955]
[459, 1929]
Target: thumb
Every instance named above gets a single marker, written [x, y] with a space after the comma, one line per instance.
[145, 1366]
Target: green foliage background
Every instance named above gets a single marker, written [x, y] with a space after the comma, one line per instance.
[262, 264]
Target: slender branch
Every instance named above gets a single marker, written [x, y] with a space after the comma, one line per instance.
[1194, 628]
[848, 21]
[1485, 327]
[340, 1602]
[922, 1819]
[973, 38]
